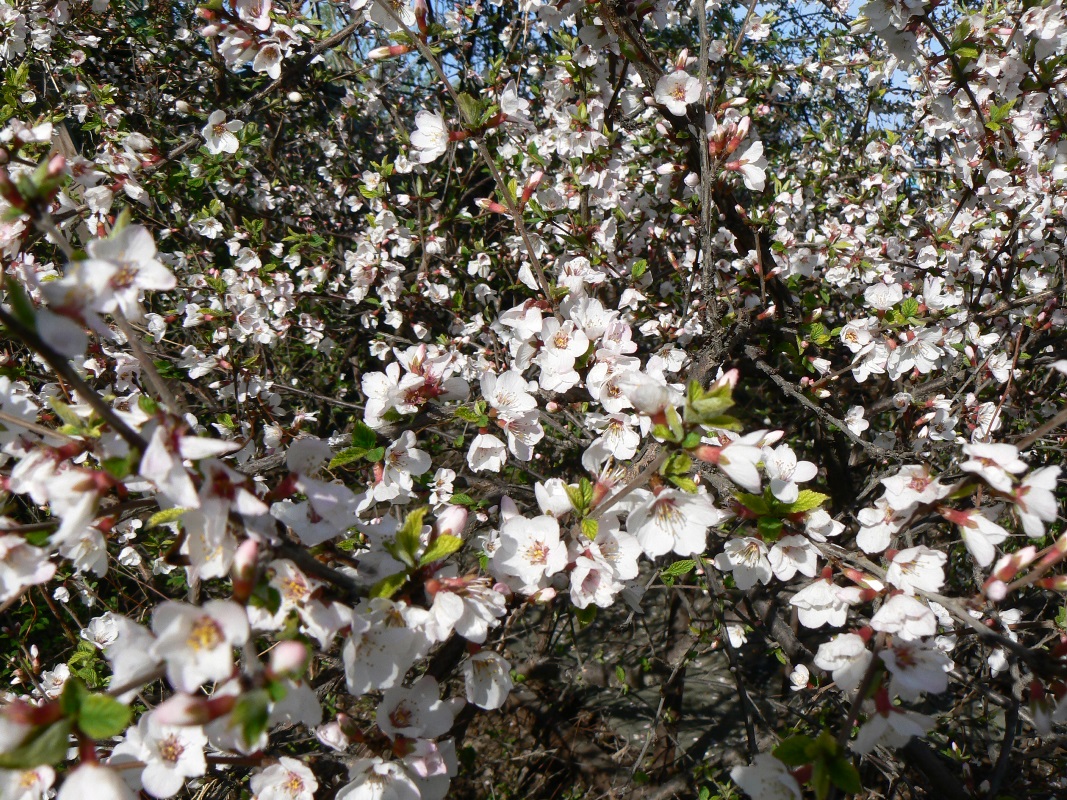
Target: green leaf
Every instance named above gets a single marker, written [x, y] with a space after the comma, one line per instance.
[753, 502]
[441, 547]
[363, 436]
[770, 528]
[590, 527]
[251, 715]
[677, 464]
[468, 414]
[817, 334]
[74, 694]
[102, 717]
[795, 751]
[21, 305]
[389, 586]
[408, 541]
[678, 568]
[375, 455]
[577, 497]
[820, 779]
[266, 596]
[119, 466]
[347, 456]
[585, 615]
[277, 690]
[691, 440]
[462, 499]
[844, 775]
[807, 500]
[683, 482]
[470, 108]
[165, 516]
[585, 486]
[663, 433]
[146, 403]
[65, 413]
[47, 745]
[675, 423]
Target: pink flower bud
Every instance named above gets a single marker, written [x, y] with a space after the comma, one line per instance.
[288, 659]
[244, 569]
[390, 51]
[452, 521]
[996, 590]
[56, 165]
[183, 709]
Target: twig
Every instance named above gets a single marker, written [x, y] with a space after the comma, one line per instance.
[754, 353]
[640, 480]
[716, 592]
[1011, 728]
[61, 366]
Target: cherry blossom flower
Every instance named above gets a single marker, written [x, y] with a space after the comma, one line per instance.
[752, 166]
[846, 657]
[416, 711]
[746, 559]
[676, 90]
[286, 780]
[905, 617]
[375, 779]
[21, 565]
[114, 276]
[980, 534]
[883, 296]
[387, 391]
[170, 755]
[1035, 500]
[786, 472]
[792, 554]
[487, 677]
[27, 784]
[467, 606]
[673, 520]
[912, 486]
[197, 642]
[892, 727]
[430, 137]
[219, 134]
[90, 779]
[821, 603]
[255, 12]
[386, 639]
[916, 667]
[767, 778]
[878, 525]
[402, 461]
[529, 551]
[994, 463]
[917, 568]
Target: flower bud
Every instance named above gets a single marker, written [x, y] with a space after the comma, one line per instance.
[996, 590]
[452, 521]
[390, 51]
[288, 659]
[184, 709]
[244, 569]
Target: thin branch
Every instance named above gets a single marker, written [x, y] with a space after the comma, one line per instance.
[61, 366]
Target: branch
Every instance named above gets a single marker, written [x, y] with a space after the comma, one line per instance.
[61, 366]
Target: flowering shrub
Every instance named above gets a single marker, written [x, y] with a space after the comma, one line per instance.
[365, 362]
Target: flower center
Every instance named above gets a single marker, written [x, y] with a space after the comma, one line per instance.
[537, 553]
[171, 749]
[205, 634]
